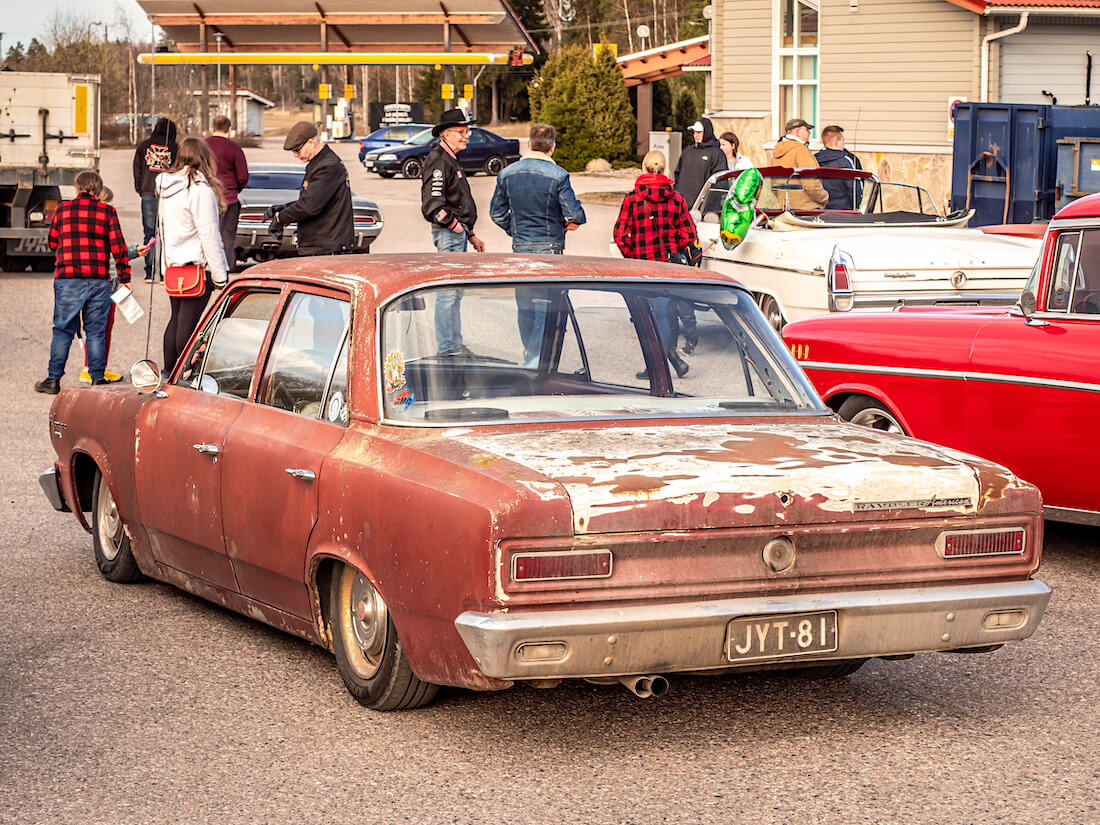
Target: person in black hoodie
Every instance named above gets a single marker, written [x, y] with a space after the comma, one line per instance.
[698, 162]
[843, 194]
[153, 155]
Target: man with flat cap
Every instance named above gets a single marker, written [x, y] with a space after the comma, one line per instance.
[326, 223]
[792, 150]
[448, 205]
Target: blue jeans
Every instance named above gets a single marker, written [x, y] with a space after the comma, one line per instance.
[149, 224]
[531, 315]
[448, 302]
[72, 299]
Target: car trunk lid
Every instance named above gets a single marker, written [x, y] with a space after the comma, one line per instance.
[742, 475]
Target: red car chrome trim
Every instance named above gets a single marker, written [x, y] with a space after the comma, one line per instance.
[955, 375]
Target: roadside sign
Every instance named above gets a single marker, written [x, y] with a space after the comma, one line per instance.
[951, 101]
[468, 91]
[323, 90]
[447, 91]
[349, 91]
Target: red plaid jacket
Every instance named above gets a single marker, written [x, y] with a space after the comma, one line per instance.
[653, 221]
[84, 233]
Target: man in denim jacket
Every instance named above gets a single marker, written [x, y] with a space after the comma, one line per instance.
[535, 204]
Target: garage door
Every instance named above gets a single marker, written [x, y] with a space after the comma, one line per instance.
[1050, 57]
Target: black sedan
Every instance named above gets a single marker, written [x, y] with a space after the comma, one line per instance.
[486, 152]
[272, 184]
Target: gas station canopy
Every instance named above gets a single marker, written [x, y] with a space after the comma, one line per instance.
[340, 27]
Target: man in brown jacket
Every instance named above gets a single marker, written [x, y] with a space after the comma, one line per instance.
[791, 151]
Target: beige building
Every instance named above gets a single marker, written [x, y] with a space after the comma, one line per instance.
[887, 70]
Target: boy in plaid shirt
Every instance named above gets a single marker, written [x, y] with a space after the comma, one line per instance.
[84, 234]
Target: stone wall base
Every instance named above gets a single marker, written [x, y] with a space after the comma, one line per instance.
[931, 171]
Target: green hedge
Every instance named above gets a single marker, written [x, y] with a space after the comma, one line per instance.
[585, 99]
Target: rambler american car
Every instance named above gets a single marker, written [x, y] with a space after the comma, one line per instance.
[894, 248]
[1019, 385]
[275, 184]
[478, 470]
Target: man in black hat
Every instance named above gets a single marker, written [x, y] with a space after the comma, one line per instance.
[326, 223]
[448, 205]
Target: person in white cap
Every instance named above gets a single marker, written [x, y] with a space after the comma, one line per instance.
[699, 161]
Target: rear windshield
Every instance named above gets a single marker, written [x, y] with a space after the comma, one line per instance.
[275, 180]
[541, 350]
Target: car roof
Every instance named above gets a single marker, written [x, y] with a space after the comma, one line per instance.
[298, 168]
[1086, 207]
[384, 276]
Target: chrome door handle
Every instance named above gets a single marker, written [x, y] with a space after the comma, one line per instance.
[207, 449]
[304, 475]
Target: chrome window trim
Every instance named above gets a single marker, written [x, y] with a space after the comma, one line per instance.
[955, 375]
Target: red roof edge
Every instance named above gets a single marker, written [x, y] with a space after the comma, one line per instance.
[970, 5]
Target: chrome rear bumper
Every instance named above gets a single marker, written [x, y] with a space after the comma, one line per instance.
[665, 638]
[51, 486]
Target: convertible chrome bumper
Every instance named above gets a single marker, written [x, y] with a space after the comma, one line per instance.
[665, 638]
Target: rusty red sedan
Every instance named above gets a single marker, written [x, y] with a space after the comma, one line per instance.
[1019, 385]
[481, 470]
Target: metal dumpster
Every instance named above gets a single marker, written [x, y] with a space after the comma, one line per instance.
[1005, 159]
[1078, 169]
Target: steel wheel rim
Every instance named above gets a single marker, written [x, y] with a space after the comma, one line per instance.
[110, 524]
[366, 620]
[412, 169]
[495, 166]
[772, 315]
[877, 419]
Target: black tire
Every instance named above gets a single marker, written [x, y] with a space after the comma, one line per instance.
[772, 313]
[368, 652]
[42, 263]
[494, 165]
[832, 670]
[110, 542]
[871, 413]
[387, 174]
[412, 168]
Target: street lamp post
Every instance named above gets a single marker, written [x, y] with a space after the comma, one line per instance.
[219, 35]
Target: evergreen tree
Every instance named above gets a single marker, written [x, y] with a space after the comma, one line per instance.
[586, 100]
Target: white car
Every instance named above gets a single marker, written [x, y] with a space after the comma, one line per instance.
[895, 248]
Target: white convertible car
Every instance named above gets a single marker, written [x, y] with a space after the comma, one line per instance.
[895, 248]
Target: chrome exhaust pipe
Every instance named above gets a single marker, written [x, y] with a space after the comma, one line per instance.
[645, 687]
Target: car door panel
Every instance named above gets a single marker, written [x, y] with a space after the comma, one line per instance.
[279, 444]
[179, 487]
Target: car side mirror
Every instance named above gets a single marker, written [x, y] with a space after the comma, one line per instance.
[145, 375]
[1027, 307]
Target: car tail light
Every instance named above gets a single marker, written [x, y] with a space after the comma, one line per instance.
[365, 220]
[840, 275]
[252, 218]
[568, 564]
[1009, 541]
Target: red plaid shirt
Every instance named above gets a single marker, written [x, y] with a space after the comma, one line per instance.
[653, 221]
[84, 233]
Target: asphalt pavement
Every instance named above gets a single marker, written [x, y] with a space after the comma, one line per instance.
[143, 704]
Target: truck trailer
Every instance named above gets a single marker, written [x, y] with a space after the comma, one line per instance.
[49, 132]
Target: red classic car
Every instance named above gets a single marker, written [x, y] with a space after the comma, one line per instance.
[1017, 385]
[477, 470]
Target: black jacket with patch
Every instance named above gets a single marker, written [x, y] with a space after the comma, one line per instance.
[445, 195]
[323, 212]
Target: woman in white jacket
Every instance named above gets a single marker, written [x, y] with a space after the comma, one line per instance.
[189, 211]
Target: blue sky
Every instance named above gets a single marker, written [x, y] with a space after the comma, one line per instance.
[23, 20]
